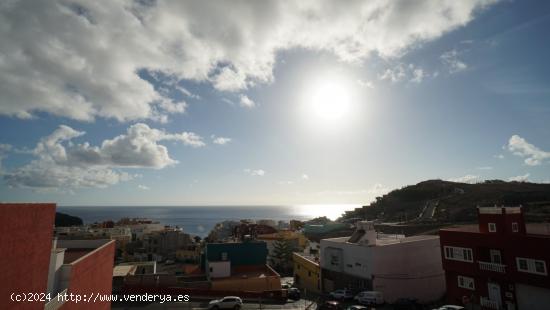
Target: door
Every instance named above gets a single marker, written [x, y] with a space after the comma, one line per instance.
[495, 256]
[494, 293]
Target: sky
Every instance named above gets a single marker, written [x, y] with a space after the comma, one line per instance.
[268, 102]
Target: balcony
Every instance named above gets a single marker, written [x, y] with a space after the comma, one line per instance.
[487, 303]
[494, 267]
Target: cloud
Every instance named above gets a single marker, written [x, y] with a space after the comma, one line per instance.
[499, 156]
[83, 60]
[305, 177]
[469, 178]
[453, 63]
[485, 168]
[246, 102]
[220, 140]
[519, 178]
[254, 173]
[143, 187]
[532, 154]
[365, 84]
[61, 163]
[400, 72]
[4, 150]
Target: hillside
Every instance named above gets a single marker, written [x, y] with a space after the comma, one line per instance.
[438, 201]
[64, 220]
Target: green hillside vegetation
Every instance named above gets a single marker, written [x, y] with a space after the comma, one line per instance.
[455, 202]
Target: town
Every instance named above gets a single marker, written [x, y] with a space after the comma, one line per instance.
[496, 264]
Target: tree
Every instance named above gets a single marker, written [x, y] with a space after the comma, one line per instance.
[281, 259]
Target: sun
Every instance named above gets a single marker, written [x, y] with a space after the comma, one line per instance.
[328, 100]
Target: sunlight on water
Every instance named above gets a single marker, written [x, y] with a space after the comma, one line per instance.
[332, 211]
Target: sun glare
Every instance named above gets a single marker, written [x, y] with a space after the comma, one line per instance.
[328, 99]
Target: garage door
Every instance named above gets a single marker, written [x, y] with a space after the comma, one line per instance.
[532, 297]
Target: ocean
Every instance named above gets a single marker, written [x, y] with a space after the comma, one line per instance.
[199, 221]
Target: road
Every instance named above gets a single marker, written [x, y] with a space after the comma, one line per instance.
[201, 305]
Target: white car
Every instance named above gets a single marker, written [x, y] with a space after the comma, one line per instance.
[228, 302]
[341, 294]
[370, 298]
[450, 307]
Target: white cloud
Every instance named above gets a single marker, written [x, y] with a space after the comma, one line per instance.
[485, 168]
[81, 60]
[254, 173]
[520, 178]
[400, 72]
[60, 163]
[499, 156]
[143, 187]
[246, 102]
[305, 177]
[4, 149]
[366, 84]
[469, 178]
[453, 63]
[532, 154]
[220, 140]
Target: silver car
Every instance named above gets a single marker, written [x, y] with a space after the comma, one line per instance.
[228, 302]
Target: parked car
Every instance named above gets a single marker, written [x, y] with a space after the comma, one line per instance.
[341, 295]
[293, 293]
[369, 298]
[450, 307]
[406, 304]
[330, 305]
[357, 307]
[228, 302]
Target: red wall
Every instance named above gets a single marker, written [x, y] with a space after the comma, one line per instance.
[25, 245]
[92, 274]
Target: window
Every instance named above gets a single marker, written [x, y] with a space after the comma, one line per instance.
[309, 273]
[515, 227]
[531, 265]
[466, 282]
[334, 260]
[459, 254]
[492, 227]
[349, 265]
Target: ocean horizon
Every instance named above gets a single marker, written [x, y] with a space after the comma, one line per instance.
[199, 220]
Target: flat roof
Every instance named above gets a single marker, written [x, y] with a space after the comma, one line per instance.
[122, 271]
[540, 229]
[387, 239]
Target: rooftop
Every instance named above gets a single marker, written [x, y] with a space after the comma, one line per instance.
[535, 229]
[387, 239]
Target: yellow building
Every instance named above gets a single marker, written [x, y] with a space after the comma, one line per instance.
[307, 273]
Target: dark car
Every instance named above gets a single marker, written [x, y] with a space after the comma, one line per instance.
[293, 293]
[406, 304]
[331, 305]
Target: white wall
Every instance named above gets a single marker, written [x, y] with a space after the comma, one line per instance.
[219, 269]
[351, 254]
[409, 269]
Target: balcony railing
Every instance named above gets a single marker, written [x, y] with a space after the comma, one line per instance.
[487, 303]
[492, 267]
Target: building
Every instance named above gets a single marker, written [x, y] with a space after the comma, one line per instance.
[307, 272]
[164, 244]
[501, 263]
[32, 261]
[296, 240]
[398, 266]
[239, 266]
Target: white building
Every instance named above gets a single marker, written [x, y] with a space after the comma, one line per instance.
[398, 266]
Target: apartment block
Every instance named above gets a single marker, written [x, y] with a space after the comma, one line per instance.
[501, 263]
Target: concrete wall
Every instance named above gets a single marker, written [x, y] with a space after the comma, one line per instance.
[89, 274]
[269, 283]
[25, 243]
[532, 297]
[409, 269]
[219, 269]
[356, 260]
